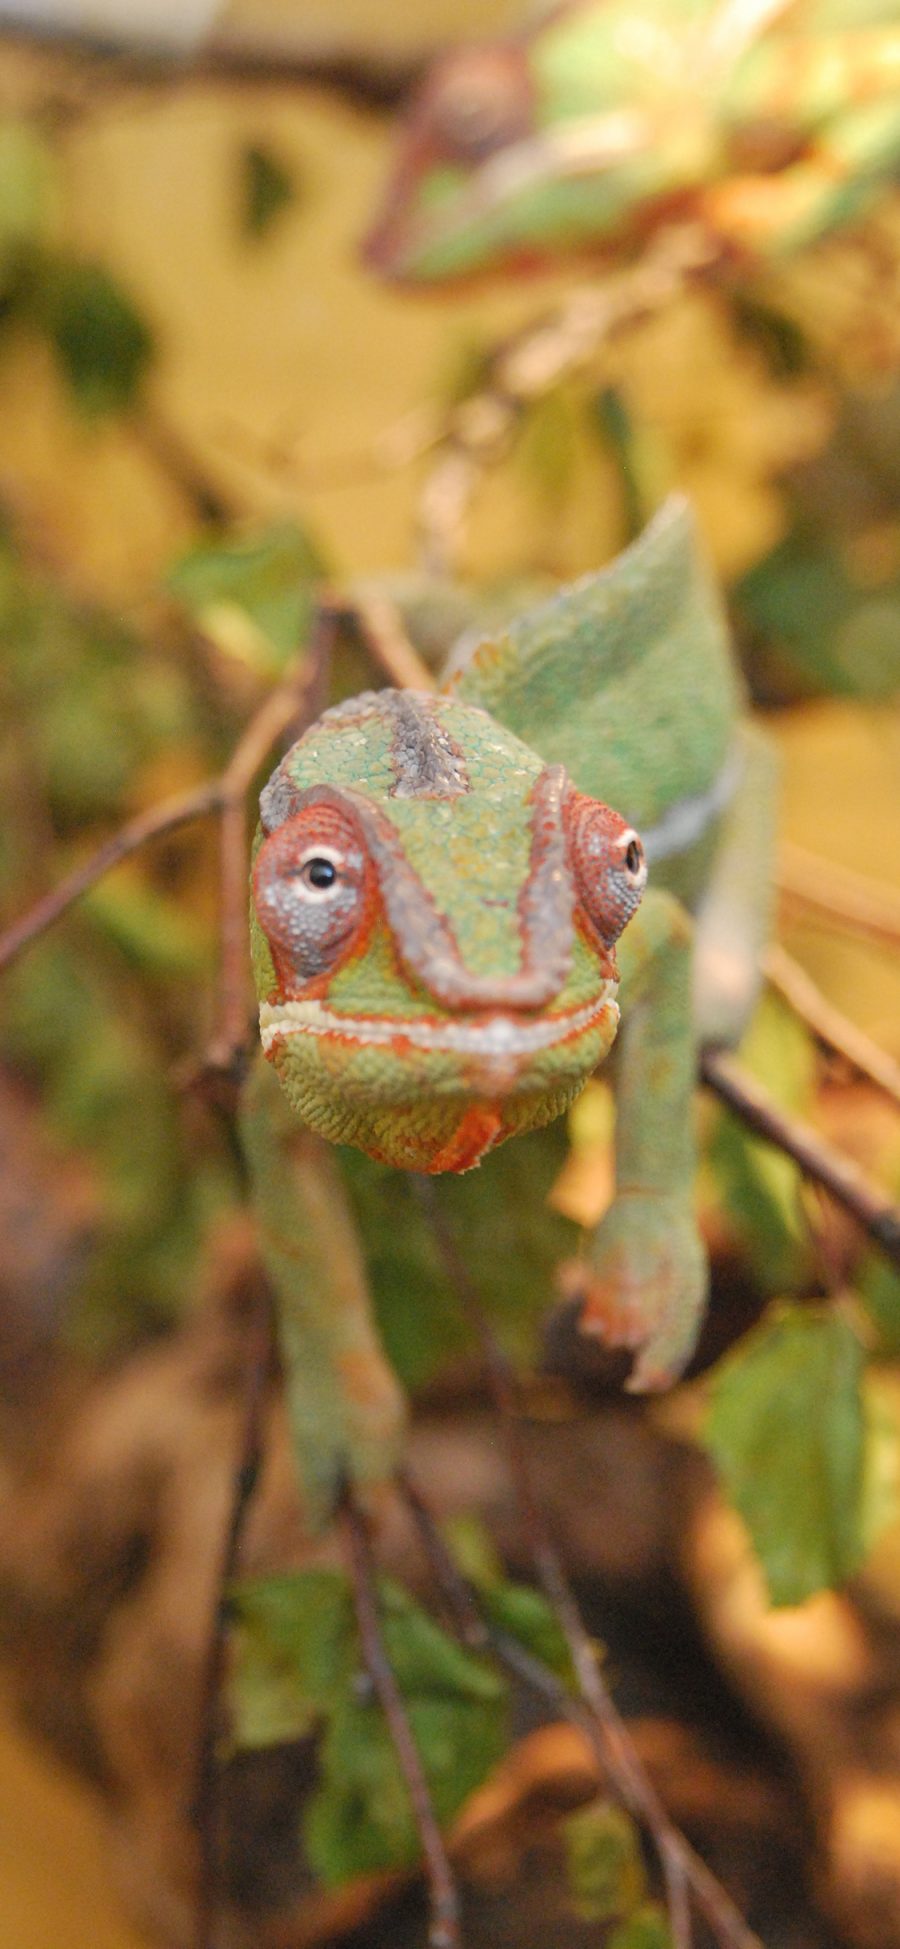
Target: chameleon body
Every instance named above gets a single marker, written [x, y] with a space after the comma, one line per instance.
[439, 888]
[765, 123]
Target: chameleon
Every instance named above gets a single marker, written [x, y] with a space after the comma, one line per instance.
[461, 900]
[764, 124]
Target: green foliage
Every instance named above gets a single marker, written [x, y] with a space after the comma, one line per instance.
[840, 636]
[646, 1928]
[265, 189]
[879, 1289]
[517, 1609]
[604, 1862]
[251, 593]
[785, 1429]
[92, 703]
[298, 1668]
[102, 344]
[99, 1012]
[758, 1185]
[29, 193]
[523, 1613]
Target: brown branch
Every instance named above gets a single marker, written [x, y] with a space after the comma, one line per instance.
[482, 1635]
[443, 1932]
[828, 1024]
[838, 897]
[479, 430]
[845, 1182]
[294, 704]
[381, 627]
[682, 1868]
[194, 804]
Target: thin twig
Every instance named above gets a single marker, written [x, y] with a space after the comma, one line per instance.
[865, 1201]
[295, 702]
[443, 1931]
[840, 1176]
[250, 1455]
[194, 804]
[482, 1635]
[828, 1024]
[618, 1754]
[381, 627]
[838, 897]
[523, 367]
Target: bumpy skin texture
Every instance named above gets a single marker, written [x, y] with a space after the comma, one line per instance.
[439, 887]
[450, 986]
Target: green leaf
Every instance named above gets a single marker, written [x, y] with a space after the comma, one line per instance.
[361, 1818]
[251, 593]
[879, 1290]
[526, 1615]
[604, 1863]
[647, 1928]
[298, 1667]
[29, 189]
[266, 189]
[785, 1429]
[842, 637]
[102, 344]
[294, 1653]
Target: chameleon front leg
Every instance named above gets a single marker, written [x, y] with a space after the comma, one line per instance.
[644, 1277]
[345, 1405]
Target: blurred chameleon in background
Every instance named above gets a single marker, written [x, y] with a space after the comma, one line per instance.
[767, 123]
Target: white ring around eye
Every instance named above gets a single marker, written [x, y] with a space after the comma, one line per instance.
[631, 838]
[303, 887]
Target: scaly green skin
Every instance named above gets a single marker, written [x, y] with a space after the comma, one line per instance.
[451, 982]
[766, 125]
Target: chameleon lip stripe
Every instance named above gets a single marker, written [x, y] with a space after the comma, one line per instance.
[502, 1035]
[687, 820]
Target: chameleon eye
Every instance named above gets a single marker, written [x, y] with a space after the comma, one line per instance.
[318, 873]
[312, 888]
[609, 865]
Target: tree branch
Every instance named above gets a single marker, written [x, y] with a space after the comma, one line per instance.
[629, 1779]
[844, 1180]
[443, 1932]
[838, 897]
[523, 367]
[828, 1024]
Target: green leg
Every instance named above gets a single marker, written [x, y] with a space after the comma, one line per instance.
[345, 1405]
[645, 1275]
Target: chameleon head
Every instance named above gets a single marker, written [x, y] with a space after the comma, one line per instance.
[434, 916]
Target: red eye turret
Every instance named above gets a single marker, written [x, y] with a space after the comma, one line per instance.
[312, 885]
[608, 864]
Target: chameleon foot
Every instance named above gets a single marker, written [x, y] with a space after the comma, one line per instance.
[643, 1285]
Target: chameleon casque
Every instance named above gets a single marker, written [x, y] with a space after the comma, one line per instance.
[439, 891]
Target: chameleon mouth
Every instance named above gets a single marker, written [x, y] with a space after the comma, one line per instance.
[499, 1035]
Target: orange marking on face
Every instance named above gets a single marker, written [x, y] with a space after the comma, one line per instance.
[474, 1135]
